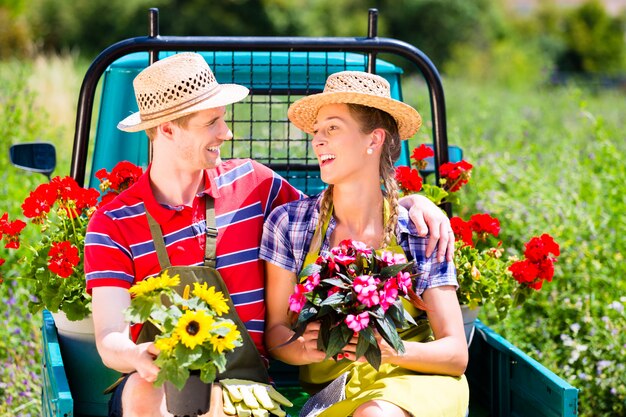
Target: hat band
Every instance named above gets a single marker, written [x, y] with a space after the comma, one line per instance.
[182, 106]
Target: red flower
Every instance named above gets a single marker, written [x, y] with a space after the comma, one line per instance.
[539, 248]
[11, 231]
[524, 272]
[462, 230]
[39, 202]
[62, 258]
[408, 179]
[420, 154]
[455, 174]
[123, 175]
[483, 224]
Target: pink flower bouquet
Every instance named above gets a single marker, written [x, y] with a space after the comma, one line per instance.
[354, 291]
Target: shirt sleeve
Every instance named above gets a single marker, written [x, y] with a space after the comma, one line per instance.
[108, 262]
[273, 189]
[276, 247]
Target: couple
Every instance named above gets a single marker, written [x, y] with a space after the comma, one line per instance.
[191, 209]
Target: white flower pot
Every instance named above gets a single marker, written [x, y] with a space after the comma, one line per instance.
[76, 330]
[469, 316]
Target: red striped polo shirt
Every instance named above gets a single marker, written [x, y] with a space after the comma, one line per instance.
[119, 250]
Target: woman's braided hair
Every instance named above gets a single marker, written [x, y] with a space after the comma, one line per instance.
[370, 118]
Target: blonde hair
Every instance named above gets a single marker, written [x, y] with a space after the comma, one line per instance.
[370, 118]
[180, 122]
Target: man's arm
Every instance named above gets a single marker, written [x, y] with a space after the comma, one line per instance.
[112, 332]
[430, 219]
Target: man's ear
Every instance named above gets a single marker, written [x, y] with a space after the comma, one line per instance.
[167, 129]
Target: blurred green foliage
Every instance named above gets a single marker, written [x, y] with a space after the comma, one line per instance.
[479, 34]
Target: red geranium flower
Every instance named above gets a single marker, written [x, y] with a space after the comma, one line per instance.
[123, 175]
[39, 202]
[462, 230]
[420, 154]
[11, 231]
[538, 248]
[409, 179]
[62, 258]
[483, 224]
[455, 174]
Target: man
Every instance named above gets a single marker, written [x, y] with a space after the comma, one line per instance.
[182, 108]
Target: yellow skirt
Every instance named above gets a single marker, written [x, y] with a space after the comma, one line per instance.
[418, 394]
[421, 395]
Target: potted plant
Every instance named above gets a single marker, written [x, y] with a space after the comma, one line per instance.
[59, 210]
[485, 274]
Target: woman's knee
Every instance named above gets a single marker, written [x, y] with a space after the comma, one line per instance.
[378, 408]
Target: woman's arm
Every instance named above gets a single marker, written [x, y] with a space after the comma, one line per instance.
[447, 354]
[303, 350]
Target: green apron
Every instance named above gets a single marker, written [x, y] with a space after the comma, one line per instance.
[244, 362]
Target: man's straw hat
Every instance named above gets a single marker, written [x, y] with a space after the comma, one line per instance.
[355, 87]
[174, 87]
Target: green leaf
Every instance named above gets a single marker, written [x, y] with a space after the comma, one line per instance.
[339, 337]
[388, 331]
[337, 282]
[308, 312]
[392, 270]
[434, 193]
[335, 299]
[310, 269]
[373, 356]
[366, 339]
[208, 372]
[171, 371]
[396, 312]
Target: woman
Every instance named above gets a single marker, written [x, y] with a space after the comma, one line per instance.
[357, 129]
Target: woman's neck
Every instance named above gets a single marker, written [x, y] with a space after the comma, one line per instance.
[358, 212]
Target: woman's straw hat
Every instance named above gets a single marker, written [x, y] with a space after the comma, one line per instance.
[355, 87]
[174, 87]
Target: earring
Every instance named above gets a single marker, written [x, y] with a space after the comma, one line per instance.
[370, 151]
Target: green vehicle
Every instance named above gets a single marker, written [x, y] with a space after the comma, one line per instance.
[504, 381]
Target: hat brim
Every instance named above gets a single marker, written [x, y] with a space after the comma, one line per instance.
[227, 94]
[303, 112]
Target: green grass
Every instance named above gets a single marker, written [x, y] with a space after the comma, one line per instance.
[546, 160]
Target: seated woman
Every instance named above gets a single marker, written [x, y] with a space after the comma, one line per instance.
[357, 129]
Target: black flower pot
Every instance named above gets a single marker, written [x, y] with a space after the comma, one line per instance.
[193, 400]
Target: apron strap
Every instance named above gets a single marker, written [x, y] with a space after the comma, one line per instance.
[159, 242]
[211, 233]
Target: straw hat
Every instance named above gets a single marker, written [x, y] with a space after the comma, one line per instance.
[174, 87]
[355, 87]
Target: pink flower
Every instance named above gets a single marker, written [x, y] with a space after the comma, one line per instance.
[357, 322]
[312, 281]
[297, 299]
[361, 247]
[391, 258]
[404, 281]
[365, 287]
[389, 294]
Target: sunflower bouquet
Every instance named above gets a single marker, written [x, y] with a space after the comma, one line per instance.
[194, 337]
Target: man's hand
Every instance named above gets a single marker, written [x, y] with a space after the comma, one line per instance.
[248, 398]
[430, 219]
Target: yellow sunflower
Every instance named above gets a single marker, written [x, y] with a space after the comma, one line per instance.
[154, 284]
[215, 299]
[167, 344]
[193, 328]
[225, 340]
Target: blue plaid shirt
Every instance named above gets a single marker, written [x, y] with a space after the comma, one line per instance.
[289, 229]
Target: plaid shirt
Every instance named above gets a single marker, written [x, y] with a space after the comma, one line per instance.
[289, 229]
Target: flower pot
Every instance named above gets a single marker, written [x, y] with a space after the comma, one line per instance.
[193, 400]
[86, 374]
[469, 316]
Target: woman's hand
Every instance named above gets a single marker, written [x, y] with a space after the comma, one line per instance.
[309, 343]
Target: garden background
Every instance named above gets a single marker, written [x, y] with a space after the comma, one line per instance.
[535, 97]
